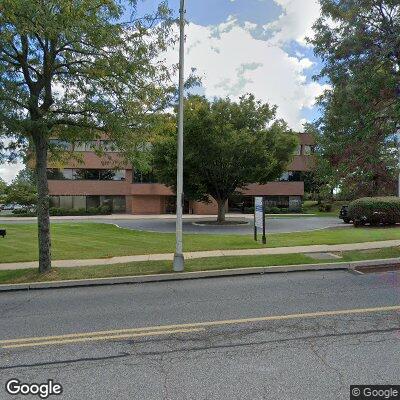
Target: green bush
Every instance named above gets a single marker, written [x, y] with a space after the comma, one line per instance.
[375, 210]
[325, 207]
[102, 210]
[249, 210]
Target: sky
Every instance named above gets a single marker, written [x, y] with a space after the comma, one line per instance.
[248, 46]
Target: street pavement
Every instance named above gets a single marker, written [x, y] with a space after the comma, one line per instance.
[193, 225]
[291, 351]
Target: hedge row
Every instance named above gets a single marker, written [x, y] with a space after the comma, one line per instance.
[274, 210]
[375, 210]
[102, 210]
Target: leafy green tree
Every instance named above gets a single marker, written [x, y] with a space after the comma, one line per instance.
[227, 145]
[26, 175]
[76, 71]
[3, 186]
[21, 192]
[358, 42]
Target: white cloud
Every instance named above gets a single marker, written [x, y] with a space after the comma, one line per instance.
[9, 171]
[232, 62]
[296, 22]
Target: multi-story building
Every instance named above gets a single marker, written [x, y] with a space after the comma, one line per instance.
[90, 180]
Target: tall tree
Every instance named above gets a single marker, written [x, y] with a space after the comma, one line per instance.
[359, 44]
[227, 145]
[21, 192]
[74, 70]
[3, 187]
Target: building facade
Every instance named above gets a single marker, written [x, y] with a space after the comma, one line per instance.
[91, 180]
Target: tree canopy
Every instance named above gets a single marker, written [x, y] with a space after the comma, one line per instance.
[227, 145]
[359, 44]
[76, 70]
[3, 186]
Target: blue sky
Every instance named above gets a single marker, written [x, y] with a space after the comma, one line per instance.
[213, 12]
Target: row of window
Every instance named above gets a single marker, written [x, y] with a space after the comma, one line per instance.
[304, 150]
[98, 175]
[93, 145]
[86, 174]
[138, 177]
[110, 147]
[117, 204]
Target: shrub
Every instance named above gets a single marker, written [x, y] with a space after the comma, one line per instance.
[325, 207]
[375, 210]
[102, 210]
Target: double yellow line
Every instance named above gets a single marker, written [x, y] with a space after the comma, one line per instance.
[92, 337]
[176, 329]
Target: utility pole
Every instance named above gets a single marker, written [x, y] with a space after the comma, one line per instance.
[179, 261]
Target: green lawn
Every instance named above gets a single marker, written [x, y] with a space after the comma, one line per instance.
[91, 240]
[160, 267]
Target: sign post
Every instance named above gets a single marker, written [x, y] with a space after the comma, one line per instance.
[259, 218]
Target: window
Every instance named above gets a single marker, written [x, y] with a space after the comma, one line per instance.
[147, 177]
[308, 150]
[284, 177]
[92, 145]
[60, 144]
[86, 174]
[92, 201]
[119, 204]
[119, 175]
[112, 175]
[79, 146]
[297, 152]
[54, 201]
[79, 202]
[290, 176]
[59, 174]
[66, 202]
[277, 201]
[108, 146]
[92, 174]
[78, 174]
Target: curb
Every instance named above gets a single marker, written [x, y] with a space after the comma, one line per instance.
[198, 275]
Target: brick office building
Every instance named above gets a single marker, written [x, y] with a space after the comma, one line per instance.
[90, 180]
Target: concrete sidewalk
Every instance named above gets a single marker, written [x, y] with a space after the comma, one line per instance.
[206, 254]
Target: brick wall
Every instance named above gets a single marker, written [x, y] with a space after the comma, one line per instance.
[205, 208]
[147, 204]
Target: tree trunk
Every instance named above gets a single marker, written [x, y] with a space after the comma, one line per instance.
[41, 143]
[221, 211]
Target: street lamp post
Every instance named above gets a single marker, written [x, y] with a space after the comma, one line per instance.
[179, 261]
[398, 151]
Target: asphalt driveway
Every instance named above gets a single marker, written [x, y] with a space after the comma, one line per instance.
[195, 225]
[274, 225]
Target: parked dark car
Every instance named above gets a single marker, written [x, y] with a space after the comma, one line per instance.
[344, 212]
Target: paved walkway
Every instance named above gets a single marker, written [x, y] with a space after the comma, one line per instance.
[205, 254]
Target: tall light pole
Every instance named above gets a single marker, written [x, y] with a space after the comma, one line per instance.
[398, 151]
[179, 261]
